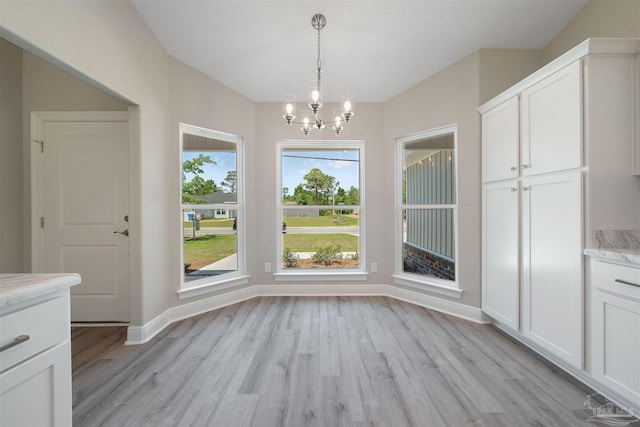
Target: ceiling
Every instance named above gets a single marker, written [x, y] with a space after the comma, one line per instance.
[264, 49]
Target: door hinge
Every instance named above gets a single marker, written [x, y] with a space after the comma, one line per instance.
[38, 141]
[41, 222]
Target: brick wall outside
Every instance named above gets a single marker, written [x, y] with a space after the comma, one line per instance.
[419, 261]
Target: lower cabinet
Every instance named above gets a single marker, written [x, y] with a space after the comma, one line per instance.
[35, 362]
[615, 328]
[552, 266]
[38, 392]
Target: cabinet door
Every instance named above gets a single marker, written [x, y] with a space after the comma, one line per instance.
[500, 130]
[615, 343]
[552, 275]
[38, 392]
[500, 273]
[551, 123]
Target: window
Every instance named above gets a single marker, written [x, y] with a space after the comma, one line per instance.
[427, 209]
[321, 207]
[211, 209]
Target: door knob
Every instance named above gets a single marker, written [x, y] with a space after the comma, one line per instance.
[125, 232]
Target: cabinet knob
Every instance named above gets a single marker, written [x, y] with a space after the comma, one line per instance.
[525, 188]
[513, 189]
[513, 168]
[525, 166]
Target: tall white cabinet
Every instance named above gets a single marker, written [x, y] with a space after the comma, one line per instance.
[557, 152]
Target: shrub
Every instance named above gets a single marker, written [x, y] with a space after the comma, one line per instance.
[327, 255]
[355, 256]
[289, 258]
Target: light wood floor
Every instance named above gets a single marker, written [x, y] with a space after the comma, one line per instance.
[318, 361]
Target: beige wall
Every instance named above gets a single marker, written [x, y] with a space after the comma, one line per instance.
[200, 101]
[449, 97]
[12, 215]
[367, 125]
[502, 68]
[599, 18]
[109, 45]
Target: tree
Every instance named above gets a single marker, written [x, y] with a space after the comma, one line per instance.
[230, 181]
[198, 186]
[302, 196]
[320, 185]
[353, 196]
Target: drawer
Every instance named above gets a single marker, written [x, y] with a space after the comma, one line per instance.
[47, 324]
[616, 278]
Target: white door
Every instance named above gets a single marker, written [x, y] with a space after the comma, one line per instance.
[552, 267]
[500, 141]
[552, 123]
[500, 254]
[82, 214]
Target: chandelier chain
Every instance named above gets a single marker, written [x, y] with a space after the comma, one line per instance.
[319, 63]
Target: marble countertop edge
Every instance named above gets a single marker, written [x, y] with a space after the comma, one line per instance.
[631, 256]
[18, 288]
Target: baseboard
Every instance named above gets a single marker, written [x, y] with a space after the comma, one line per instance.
[453, 308]
[319, 290]
[142, 334]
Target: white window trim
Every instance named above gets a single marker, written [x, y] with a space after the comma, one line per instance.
[239, 277]
[282, 275]
[449, 288]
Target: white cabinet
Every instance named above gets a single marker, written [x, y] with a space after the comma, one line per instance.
[615, 327]
[552, 314]
[572, 128]
[35, 350]
[500, 275]
[500, 136]
[532, 214]
[38, 392]
[551, 122]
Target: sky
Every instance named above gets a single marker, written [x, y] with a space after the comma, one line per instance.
[341, 164]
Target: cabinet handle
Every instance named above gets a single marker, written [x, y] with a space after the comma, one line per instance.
[17, 340]
[525, 166]
[513, 168]
[514, 189]
[624, 282]
[525, 188]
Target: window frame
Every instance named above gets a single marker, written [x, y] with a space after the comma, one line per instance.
[335, 274]
[436, 285]
[223, 281]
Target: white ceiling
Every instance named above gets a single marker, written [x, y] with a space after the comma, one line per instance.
[264, 49]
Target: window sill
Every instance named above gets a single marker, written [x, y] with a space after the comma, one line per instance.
[210, 287]
[433, 285]
[325, 276]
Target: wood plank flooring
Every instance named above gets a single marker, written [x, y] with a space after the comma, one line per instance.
[318, 361]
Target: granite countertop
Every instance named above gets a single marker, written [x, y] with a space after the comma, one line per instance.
[18, 288]
[628, 255]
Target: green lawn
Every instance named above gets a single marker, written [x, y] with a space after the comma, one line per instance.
[310, 242]
[207, 249]
[204, 250]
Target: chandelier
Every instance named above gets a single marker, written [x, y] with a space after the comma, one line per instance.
[310, 119]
